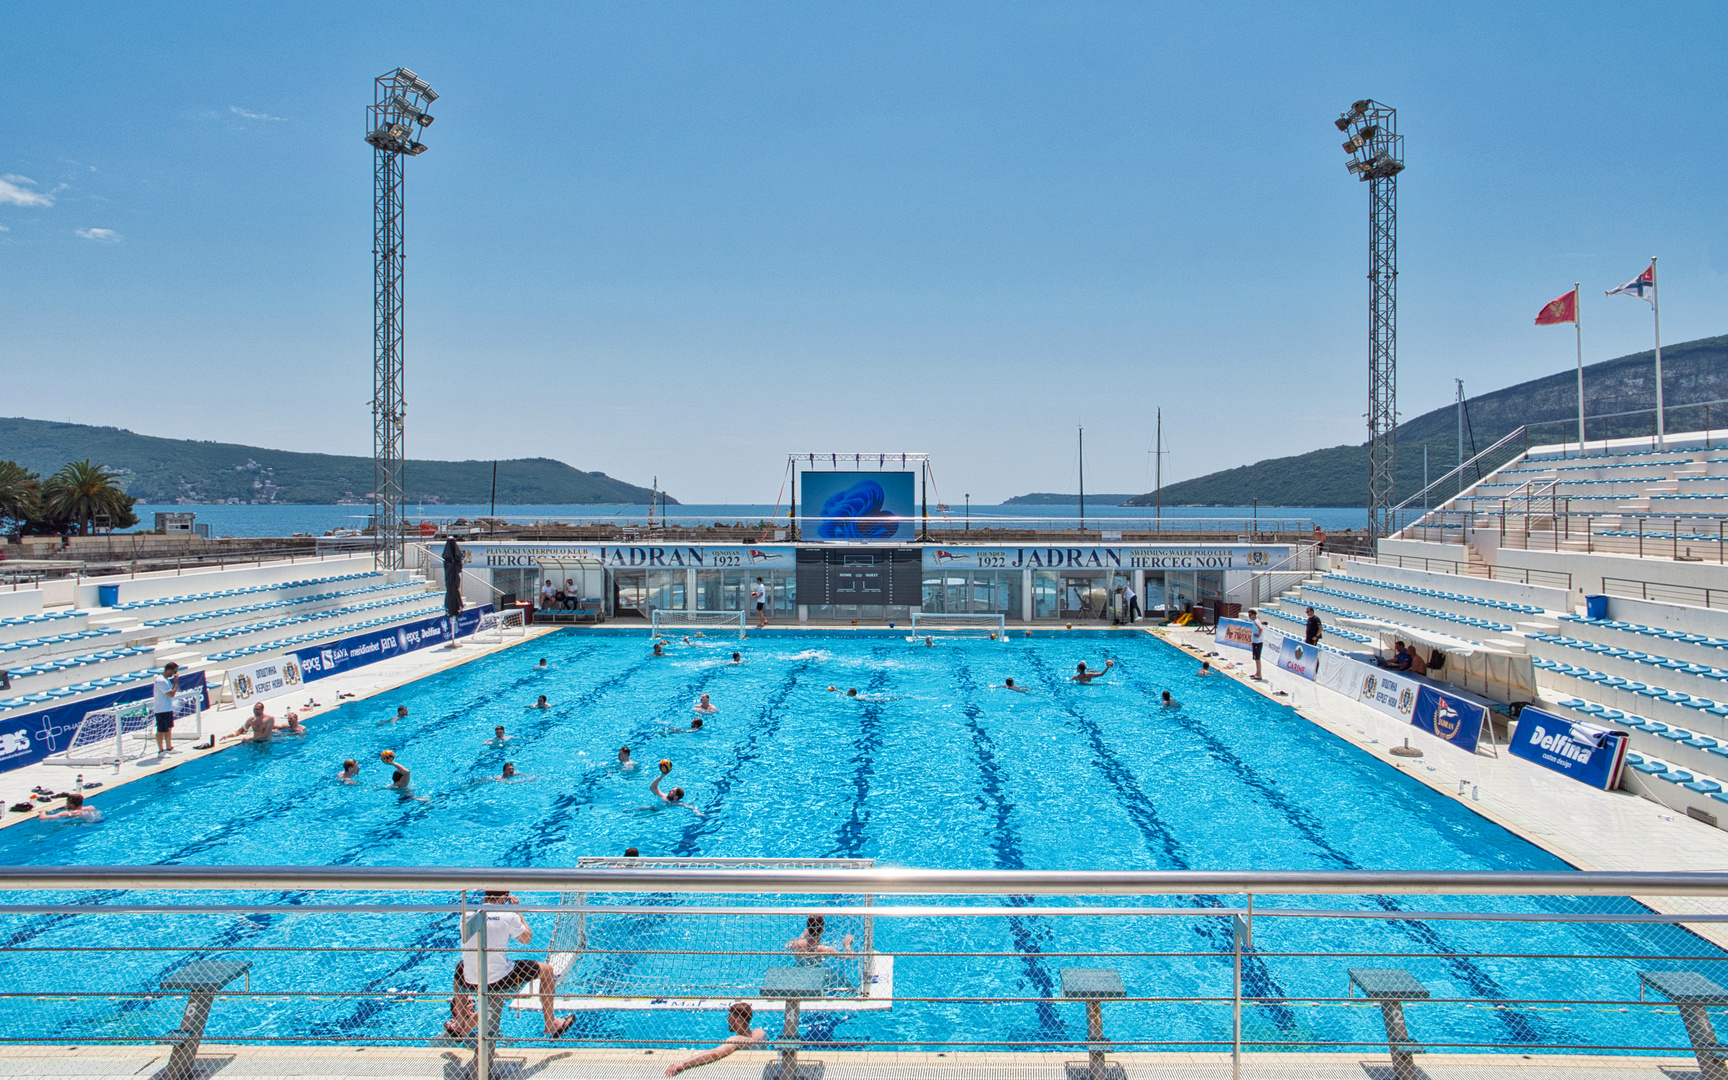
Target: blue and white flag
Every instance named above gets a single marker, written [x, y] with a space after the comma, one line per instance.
[1643, 286]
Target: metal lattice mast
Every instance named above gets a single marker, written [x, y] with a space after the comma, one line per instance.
[1377, 157]
[398, 108]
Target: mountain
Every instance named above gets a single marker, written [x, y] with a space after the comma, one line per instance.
[1693, 371]
[155, 470]
[1046, 498]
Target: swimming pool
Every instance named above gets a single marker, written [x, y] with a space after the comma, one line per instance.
[938, 767]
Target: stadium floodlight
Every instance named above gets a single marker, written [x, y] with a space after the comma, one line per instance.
[1355, 143]
[408, 109]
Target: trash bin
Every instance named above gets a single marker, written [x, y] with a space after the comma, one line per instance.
[1596, 607]
[107, 595]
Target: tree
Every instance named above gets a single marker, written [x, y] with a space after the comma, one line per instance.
[20, 495]
[80, 493]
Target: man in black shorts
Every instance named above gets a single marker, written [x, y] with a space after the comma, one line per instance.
[166, 688]
[502, 976]
[760, 595]
[1312, 629]
[1256, 640]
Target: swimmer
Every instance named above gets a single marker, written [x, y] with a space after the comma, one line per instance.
[401, 714]
[624, 761]
[1169, 702]
[1084, 675]
[687, 640]
[737, 658]
[929, 642]
[541, 703]
[1206, 668]
[350, 773]
[705, 706]
[695, 725]
[260, 725]
[1009, 685]
[541, 665]
[810, 941]
[658, 651]
[509, 772]
[632, 853]
[401, 778]
[743, 1035]
[853, 692]
[675, 797]
[498, 737]
[74, 810]
[293, 725]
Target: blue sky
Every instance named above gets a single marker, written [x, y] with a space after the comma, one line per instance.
[681, 240]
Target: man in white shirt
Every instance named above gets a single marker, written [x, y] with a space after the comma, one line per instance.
[1256, 640]
[502, 976]
[572, 595]
[1130, 603]
[760, 595]
[165, 690]
[548, 595]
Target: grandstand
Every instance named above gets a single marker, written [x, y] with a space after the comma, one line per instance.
[119, 631]
[1504, 568]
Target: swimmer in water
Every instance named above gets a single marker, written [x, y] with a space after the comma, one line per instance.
[1169, 702]
[350, 773]
[1009, 685]
[675, 797]
[402, 777]
[743, 1036]
[658, 651]
[498, 737]
[509, 772]
[293, 726]
[1206, 668]
[695, 725]
[853, 692]
[929, 642]
[624, 761]
[1084, 675]
[706, 707]
[259, 726]
[401, 714]
[542, 703]
[74, 810]
[542, 663]
[737, 658]
[810, 941]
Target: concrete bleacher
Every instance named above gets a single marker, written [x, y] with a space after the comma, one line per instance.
[198, 619]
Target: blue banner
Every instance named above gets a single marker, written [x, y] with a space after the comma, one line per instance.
[1450, 717]
[1237, 632]
[27, 739]
[1589, 755]
[1299, 658]
[381, 644]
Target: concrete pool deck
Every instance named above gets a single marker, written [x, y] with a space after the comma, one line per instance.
[554, 1063]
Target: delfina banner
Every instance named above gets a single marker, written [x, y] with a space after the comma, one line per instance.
[369, 648]
[27, 739]
[1449, 717]
[634, 556]
[1588, 754]
[1237, 632]
[267, 678]
[1172, 557]
[1299, 658]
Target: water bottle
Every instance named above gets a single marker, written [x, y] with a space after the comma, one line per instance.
[80, 781]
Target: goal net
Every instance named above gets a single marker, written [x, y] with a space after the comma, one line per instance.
[668, 622]
[675, 951]
[984, 626]
[123, 732]
[494, 625]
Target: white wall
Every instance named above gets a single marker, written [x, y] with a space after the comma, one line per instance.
[153, 586]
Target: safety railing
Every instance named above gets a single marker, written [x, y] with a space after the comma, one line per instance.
[1558, 579]
[171, 970]
[1265, 585]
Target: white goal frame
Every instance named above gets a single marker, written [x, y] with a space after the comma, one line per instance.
[498, 622]
[131, 721]
[933, 622]
[662, 620]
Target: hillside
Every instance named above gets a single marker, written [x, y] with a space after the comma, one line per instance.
[1048, 498]
[1692, 371]
[156, 470]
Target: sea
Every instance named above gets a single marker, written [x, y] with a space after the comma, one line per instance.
[227, 519]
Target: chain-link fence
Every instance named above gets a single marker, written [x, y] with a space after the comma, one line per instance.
[604, 972]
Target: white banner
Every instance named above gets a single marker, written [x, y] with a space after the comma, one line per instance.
[632, 556]
[264, 678]
[1340, 674]
[1172, 557]
[1392, 694]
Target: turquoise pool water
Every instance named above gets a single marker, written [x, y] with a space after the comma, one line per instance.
[940, 767]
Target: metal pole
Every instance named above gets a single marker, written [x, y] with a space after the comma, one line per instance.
[1656, 318]
[1238, 931]
[482, 1008]
[1082, 479]
[1578, 325]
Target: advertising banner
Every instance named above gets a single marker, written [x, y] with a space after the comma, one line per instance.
[1299, 658]
[632, 556]
[859, 505]
[27, 739]
[1148, 557]
[264, 678]
[1588, 754]
[1237, 632]
[1394, 695]
[1341, 675]
[373, 646]
[1450, 717]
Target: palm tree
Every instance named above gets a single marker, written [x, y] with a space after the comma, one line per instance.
[20, 491]
[81, 492]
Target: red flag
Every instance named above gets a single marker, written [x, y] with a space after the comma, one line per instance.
[1561, 310]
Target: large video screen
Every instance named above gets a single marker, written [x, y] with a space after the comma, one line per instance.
[858, 505]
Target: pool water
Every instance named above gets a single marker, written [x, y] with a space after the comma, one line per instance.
[935, 766]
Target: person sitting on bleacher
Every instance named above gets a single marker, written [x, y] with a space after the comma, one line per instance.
[572, 595]
[1402, 660]
[548, 595]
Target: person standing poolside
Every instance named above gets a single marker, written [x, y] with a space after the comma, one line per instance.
[738, 1019]
[165, 688]
[1130, 603]
[760, 594]
[502, 976]
[260, 725]
[1256, 639]
[1084, 675]
[1311, 632]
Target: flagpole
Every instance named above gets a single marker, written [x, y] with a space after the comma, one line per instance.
[1578, 325]
[1656, 315]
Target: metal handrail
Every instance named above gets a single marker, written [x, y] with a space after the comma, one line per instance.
[1511, 436]
[877, 881]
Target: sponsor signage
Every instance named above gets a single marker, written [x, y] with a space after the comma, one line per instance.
[1299, 658]
[27, 739]
[1217, 557]
[1588, 754]
[1237, 632]
[266, 678]
[373, 646]
[1449, 717]
[1392, 694]
[632, 556]
[1341, 674]
[859, 505]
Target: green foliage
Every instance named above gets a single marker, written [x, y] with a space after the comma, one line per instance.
[82, 494]
[20, 492]
[156, 470]
[1693, 371]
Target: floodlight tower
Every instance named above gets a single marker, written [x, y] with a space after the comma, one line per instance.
[398, 110]
[1377, 156]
